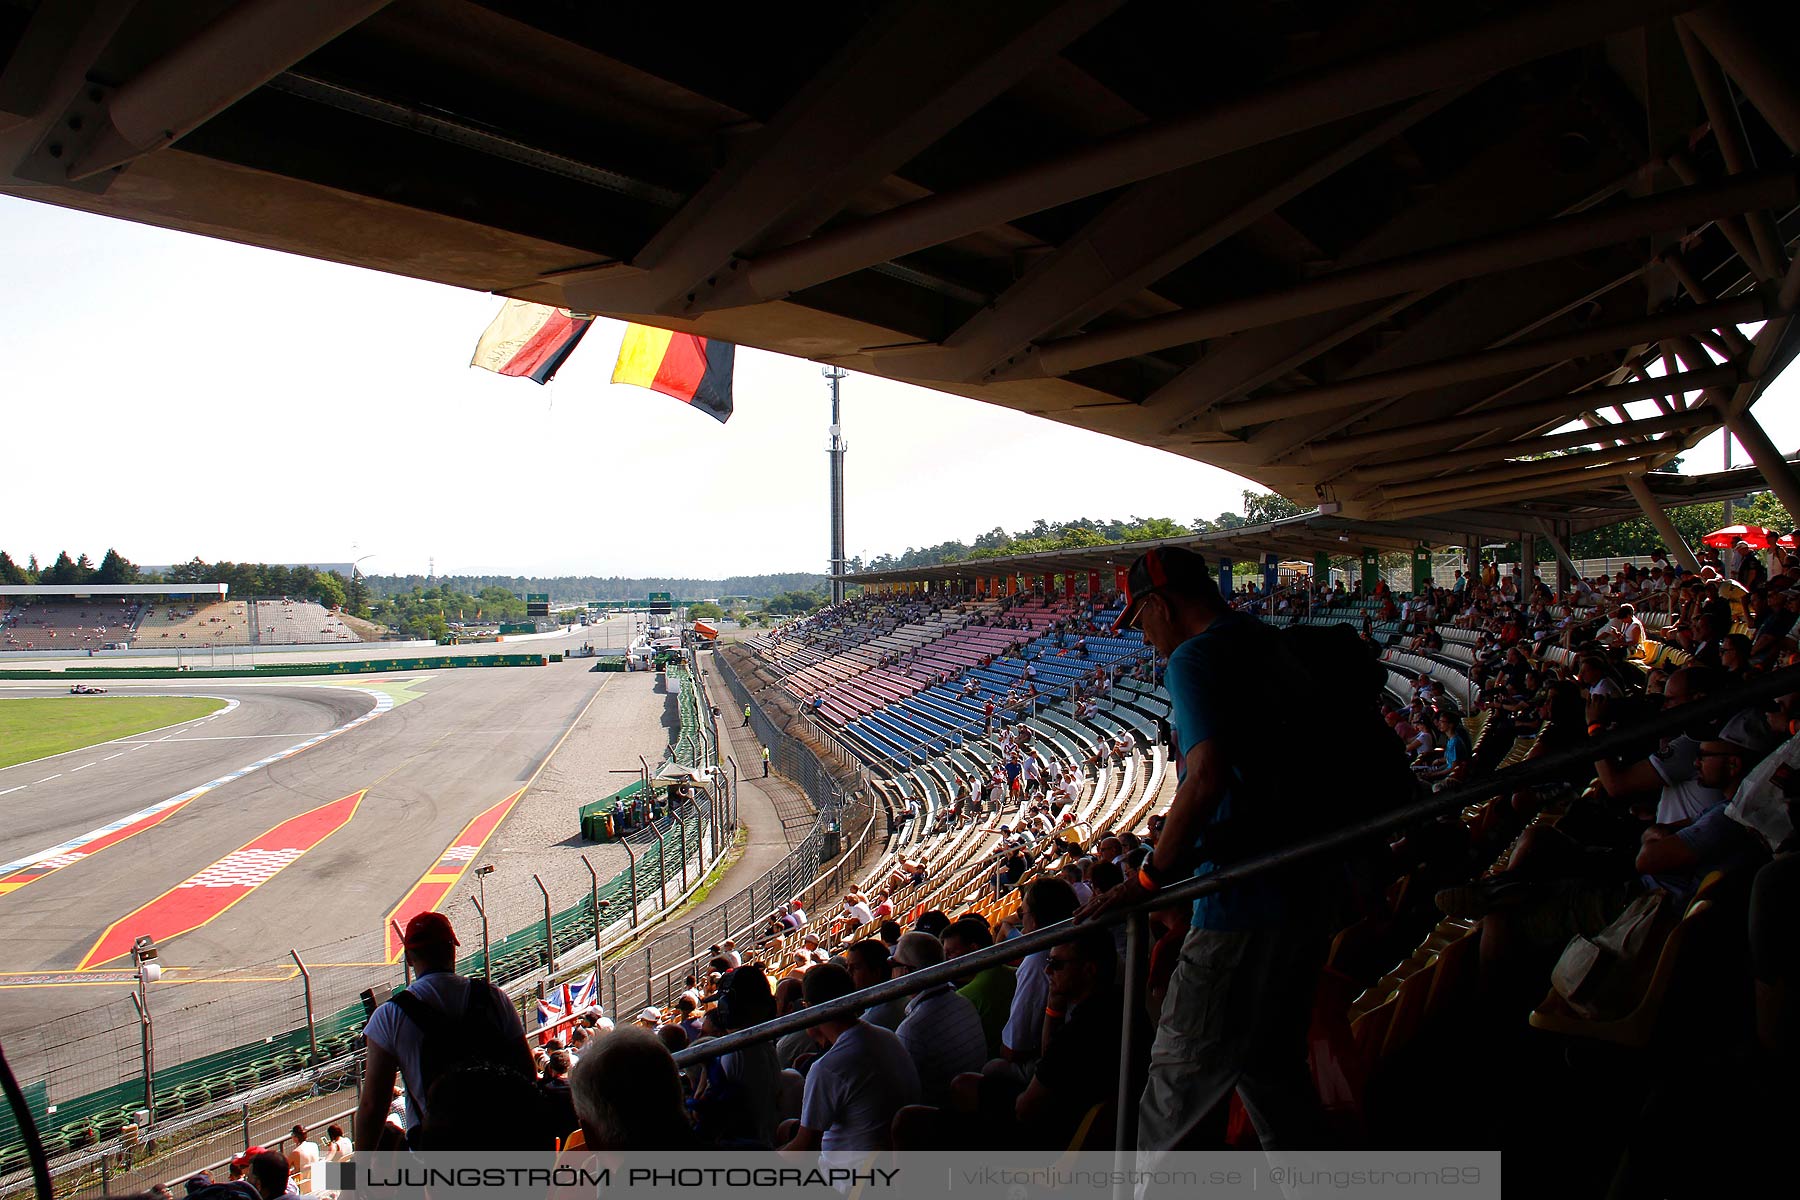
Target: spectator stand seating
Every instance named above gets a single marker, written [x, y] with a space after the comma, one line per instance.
[75, 626]
[182, 625]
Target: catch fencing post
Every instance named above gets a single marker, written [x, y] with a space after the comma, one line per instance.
[549, 933]
[405, 966]
[631, 877]
[487, 957]
[312, 1030]
[681, 844]
[147, 1038]
[662, 866]
[648, 983]
[594, 900]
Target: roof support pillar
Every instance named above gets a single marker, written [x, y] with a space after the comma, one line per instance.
[1566, 570]
[1775, 469]
[1659, 520]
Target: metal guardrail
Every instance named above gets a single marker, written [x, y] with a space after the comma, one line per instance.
[1547, 769]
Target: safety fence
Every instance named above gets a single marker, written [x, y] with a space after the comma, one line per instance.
[787, 755]
[277, 670]
[292, 1025]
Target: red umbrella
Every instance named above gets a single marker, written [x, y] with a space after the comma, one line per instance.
[1755, 535]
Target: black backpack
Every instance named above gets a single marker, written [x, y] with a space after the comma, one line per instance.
[1334, 760]
[475, 1036]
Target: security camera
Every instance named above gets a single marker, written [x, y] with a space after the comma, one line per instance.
[486, 869]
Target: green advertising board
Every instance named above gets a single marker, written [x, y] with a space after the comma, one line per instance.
[1371, 569]
[660, 597]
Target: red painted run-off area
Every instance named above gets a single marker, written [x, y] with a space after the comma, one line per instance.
[207, 895]
[447, 871]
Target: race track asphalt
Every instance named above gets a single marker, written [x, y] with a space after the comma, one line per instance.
[453, 743]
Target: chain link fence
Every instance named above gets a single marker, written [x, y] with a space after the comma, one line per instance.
[221, 1048]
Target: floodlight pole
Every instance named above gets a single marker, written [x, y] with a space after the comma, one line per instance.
[835, 451]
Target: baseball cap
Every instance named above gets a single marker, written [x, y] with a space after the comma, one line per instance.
[430, 929]
[1161, 567]
[917, 950]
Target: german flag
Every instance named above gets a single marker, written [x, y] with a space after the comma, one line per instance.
[693, 369]
[529, 340]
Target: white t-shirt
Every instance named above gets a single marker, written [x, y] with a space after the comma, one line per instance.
[859, 912]
[853, 1091]
[396, 1033]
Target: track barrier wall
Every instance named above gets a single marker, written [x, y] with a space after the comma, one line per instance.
[82, 1072]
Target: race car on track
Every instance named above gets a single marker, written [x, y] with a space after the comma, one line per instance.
[82, 689]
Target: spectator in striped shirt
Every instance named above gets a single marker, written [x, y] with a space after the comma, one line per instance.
[942, 1030]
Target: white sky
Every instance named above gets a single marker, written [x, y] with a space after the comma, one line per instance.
[174, 395]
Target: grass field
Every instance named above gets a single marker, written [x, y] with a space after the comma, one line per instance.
[39, 726]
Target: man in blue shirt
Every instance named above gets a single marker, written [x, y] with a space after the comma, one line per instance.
[1238, 1006]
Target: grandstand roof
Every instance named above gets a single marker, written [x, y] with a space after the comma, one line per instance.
[43, 591]
[1374, 252]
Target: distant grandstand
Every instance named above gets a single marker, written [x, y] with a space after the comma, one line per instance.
[87, 618]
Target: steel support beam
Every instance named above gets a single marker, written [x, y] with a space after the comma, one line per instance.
[1547, 532]
[1522, 471]
[1676, 210]
[1681, 422]
[1728, 133]
[1767, 78]
[1495, 419]
[1281, 109]
[1665, 528]
[1734, 229]
[1153, 229]
[1485, 364]
[915, 72]
[53, 53]
[246, 47]
[1460, 497]
[1768, 459]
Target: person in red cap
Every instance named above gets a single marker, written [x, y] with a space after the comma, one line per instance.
[441, 1022]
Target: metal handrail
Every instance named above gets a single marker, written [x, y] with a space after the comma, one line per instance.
[1528, 773]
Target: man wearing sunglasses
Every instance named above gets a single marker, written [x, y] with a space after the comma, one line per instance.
[1237, 1009]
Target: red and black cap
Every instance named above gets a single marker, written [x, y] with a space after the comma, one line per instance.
[1159, 568]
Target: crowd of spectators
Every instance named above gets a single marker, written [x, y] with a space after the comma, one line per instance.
[1028, 1053]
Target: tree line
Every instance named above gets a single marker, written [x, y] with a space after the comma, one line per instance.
[1259, 508]
[570, 589]
[329, 588]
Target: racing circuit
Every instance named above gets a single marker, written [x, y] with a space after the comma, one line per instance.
[301, 813]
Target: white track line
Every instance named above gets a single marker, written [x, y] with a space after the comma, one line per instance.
[383, 703]
[230, 705]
